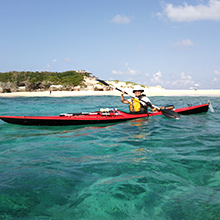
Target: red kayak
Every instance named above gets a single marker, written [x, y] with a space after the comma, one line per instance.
[99, 117]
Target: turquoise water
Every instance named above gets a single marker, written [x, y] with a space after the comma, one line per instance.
[155, 168]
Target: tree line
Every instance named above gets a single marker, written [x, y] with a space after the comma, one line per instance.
[71, 78]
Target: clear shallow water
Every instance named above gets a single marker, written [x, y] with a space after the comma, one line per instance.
[156, 168]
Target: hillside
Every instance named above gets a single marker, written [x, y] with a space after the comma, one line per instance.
[16, 81]
[55, 81]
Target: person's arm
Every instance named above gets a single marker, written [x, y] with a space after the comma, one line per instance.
[149, 104]
[155, 108]
[123, 100]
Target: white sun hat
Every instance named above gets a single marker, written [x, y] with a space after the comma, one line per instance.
[138, 88]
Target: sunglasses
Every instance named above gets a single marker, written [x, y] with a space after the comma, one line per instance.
[137, 90]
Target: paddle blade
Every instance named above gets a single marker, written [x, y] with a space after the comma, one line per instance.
[210, 106]
[103, 82]
[106, 84]
[170, 114]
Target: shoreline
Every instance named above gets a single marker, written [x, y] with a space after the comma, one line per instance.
[148, 92]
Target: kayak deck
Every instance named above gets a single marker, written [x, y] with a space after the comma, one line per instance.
[68, 119]
[98, 117]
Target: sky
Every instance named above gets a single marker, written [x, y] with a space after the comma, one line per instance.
[175, 44]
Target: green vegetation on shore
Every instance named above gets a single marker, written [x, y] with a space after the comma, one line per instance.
[10, 81]
[64, 78]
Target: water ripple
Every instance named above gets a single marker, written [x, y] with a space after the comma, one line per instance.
[154, 168]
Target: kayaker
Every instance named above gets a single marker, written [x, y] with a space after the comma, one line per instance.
[139, 103]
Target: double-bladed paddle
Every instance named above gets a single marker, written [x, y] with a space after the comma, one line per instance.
[166, 112]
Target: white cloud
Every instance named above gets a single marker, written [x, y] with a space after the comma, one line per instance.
[217, 72]
[128, 71]
[183, 80]
[68, 60]
[121, 19]
[116, 72]
[184, 43]
[51, 64]
[159, 15]
[131, 71]
[211, 11]
[157, 78]
[215, 79]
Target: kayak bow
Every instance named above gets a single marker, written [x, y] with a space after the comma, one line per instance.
[99, 117]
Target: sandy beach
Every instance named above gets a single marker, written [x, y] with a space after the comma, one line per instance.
[148, 92]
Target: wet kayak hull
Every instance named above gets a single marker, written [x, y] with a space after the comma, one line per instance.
[93, 118]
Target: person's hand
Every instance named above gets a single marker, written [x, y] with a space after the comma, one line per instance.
[156, 108]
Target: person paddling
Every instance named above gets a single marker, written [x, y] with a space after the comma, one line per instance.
[139, 103]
